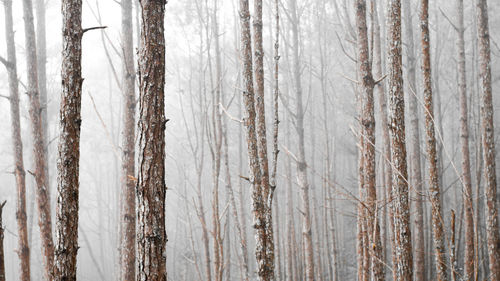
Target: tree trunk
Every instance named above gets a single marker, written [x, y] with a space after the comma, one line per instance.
[42, 189]
[41, 48]
[128, 154]
[368, 148]
[416, 165]
[17, 146]
[2, 257]
[464, 140]
[301, 158]
[263, 246]
[402, 232]
[488, 138]
[434, 188]
[69, 143]
[151, 188]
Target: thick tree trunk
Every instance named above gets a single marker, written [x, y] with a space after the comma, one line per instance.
[128, 155]
[488, 139]
[464, 141]
[416, 165]
[368, 148]
[151, 188]
[402, 232]
[69, 143]
[434, 189]
[42, 189]
[17, 146]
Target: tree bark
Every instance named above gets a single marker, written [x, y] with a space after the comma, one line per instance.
[464, 142]
[128, 154]
[488, 139]
[17, 146]
[69, 143]
[434, 188]
[2, 257]
[151, 188]
[42, 189]
[402, 232]
[368, 148]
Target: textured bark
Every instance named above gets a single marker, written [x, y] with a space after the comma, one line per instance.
[2, 256]
[128, 146]
[368, 148]
[263, 246]
[17, 146]
[42, 186]
[453, 259]
[416, 165]
[69, 143]
[434, 188]
[464, 143]
[402, 233]
[151, 188]
[301, 157]
[488, 139]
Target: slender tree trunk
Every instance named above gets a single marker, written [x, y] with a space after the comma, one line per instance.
[488, 139]
[41, 48]
[2, 257]
[17, 146]
[434, 188]
[416, 165]
[42, 190]
[301, 158]
[402, 232]
[464, 140]
[151, 237]
[69, 143]
[264, 251]
[128, 155]
[453, 260]
[368, 148]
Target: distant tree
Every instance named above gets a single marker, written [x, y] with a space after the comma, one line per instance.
[464, 142]
[151, 188]
[42, 184]
[2, 256]
[128, 155]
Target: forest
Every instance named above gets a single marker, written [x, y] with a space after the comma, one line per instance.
[269, 140]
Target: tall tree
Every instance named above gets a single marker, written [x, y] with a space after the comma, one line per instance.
[17, 145]
[464, 142]
[128, 154]
[488, 139]
[368, 145]
[434, 189]
[416, 165]
[151, 188]
[402, 232]
[260, 204]
[301, 157]
[68, 166]
[42, 189]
